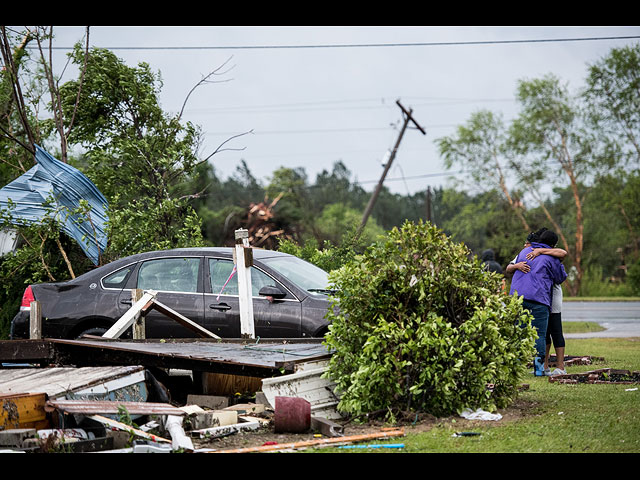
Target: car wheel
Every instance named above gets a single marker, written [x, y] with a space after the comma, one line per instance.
[95, 331]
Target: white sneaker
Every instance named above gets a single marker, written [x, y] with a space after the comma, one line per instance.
[557, 371]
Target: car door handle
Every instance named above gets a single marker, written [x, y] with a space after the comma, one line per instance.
[219, 306]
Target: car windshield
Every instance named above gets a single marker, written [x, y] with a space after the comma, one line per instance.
[304, 274]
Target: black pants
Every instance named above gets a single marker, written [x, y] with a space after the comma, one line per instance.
[554, 330]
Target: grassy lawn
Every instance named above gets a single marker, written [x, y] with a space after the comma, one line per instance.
[549, 417]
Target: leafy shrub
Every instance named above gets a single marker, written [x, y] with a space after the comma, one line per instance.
[422, 327]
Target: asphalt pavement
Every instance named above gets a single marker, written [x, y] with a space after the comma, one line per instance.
[620, 319]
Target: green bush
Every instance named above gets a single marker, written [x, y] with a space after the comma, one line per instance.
[422, 327]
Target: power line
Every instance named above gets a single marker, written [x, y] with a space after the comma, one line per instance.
[366, 45]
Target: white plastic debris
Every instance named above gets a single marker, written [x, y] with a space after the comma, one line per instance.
[479, 414]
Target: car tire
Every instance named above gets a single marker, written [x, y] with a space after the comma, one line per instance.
[96, 331]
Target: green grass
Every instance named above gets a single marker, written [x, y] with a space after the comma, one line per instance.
[567, 298]
[549, 417]
[581, 327]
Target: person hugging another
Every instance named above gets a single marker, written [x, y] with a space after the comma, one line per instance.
[535, 284]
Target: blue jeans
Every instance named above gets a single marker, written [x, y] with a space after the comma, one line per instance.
[540, 320]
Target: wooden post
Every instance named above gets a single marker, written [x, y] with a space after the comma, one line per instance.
[35, 321]
[139, 328]
[243, 255]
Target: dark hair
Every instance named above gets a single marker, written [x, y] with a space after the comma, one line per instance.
[535, 236]
[548, 238]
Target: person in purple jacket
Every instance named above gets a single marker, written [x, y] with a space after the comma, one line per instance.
[536, 289]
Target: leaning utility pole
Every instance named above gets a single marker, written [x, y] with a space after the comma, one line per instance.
[407, 118]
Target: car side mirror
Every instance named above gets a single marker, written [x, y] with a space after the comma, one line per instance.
[271, 291]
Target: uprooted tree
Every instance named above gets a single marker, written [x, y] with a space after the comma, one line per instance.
[423, 328]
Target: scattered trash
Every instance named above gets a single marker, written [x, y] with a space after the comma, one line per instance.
[604, 375]
[466, 434]
[479, 414]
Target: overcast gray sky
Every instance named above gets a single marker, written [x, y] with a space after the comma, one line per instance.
[315, 95]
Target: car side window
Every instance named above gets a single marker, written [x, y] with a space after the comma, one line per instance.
[169, 275]
[223, 282]
[117, 279]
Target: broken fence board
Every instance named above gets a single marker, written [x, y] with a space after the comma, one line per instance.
[127, 428]
[246, 423]
[130, 316]
[177, 317]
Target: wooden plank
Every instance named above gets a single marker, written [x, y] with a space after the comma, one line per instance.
[182, 320]
[127, 428]
[129, 317]
[35, 320]
[139, 326]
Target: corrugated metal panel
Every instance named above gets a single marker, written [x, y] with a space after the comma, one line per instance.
[58, 382]
[27, 199]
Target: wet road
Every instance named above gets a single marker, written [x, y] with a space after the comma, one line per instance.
[621, 319]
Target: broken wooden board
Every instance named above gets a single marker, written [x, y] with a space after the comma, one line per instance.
[244, 424]
[130, 316]
[128, 428]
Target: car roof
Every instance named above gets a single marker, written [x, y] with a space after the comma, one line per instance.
[227, 252]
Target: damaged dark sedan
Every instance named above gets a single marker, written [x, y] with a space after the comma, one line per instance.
[289, 296]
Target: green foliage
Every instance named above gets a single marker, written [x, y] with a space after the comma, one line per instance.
[329, 257]
[421, 327]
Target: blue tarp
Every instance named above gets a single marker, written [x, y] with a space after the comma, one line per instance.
[51, 179]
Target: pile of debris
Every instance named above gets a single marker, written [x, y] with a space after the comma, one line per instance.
[603, 375]
[78, 419]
